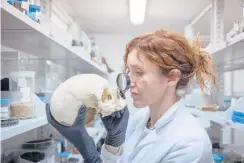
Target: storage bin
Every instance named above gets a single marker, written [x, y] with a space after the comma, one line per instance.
[239, 112]
[5, 108]
[47, 154]
[237, 119]
[34, 12]
[31, 157]
[218, 158]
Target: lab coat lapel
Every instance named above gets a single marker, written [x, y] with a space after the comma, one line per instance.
[145, 146]
[163, 121]
[148, 142]
[149, 139]
[135, 136]
[169, 115]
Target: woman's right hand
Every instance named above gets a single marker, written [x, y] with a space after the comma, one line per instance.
[77, 135]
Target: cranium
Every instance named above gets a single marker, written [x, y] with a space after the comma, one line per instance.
[90, 90]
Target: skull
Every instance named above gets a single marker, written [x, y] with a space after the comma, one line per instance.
[90, 90]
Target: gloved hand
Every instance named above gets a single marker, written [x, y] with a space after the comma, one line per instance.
[116, 125]
[77, 135]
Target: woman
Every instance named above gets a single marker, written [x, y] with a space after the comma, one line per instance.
[160, 65]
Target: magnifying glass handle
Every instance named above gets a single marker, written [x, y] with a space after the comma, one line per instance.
[122, 94]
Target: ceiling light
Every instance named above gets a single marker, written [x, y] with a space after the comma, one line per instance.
[137, 11]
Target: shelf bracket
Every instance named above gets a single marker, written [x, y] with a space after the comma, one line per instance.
[200, 15]
[217, 22]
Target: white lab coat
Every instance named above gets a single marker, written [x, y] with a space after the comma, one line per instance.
[178, 138]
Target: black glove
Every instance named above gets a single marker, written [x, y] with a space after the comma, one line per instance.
[116, 125]
[77, 135]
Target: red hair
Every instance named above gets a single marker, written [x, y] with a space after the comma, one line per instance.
[170, 50]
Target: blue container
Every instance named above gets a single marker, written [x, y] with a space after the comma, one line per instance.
[34, 8]
[218, 158]
[42, 98]
[237, 119]
[64, 154]
[238, 113]
[11, 2]
[18, 1]
[5, 101]
[31, 15]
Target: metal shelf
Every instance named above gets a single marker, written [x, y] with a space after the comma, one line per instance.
[217, 117]
[21, 33]
[22, 127]
[230, 55]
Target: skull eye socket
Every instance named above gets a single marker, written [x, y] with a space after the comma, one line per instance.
[109, 97]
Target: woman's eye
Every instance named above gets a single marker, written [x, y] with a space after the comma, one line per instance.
[139, 73]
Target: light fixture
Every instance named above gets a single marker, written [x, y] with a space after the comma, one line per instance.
[137, 10]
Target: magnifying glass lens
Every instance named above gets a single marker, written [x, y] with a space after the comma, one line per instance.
[122, 82]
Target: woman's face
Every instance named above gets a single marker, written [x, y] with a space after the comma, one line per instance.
[148, 84]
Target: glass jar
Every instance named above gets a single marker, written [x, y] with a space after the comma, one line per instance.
[227, 104]
[22, 86]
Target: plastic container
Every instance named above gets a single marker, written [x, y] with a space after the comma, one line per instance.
[64, 157]
[227, 104]
[48, 153]
[38, 144]
[16, 4]
[218, 158]
[25, 6]
[5, 108]
[31, 157]
[34, 12]
[21, 5]
[239, 112]
[238, 116]
[237, 119]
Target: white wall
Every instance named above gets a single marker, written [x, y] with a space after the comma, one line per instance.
[112, 47]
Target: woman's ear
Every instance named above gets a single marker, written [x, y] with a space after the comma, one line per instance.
[173, 77]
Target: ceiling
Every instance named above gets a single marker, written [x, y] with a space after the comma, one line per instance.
[112, 16]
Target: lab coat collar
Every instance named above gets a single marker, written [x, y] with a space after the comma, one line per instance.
[164, 120]
[169, 115]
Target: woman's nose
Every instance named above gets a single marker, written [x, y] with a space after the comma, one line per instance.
[132, 83]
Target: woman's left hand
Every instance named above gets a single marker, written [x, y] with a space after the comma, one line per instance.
[116, 125]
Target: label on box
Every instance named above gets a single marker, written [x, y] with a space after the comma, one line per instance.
[22, 82]
[25, 94]
[4, 109]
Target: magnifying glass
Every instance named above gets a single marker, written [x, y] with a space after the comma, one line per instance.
[123, 83]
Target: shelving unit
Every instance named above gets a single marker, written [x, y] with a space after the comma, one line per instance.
[229, 55]
[217, 117]
[22, 127]
[20, 33]
[229, 44]
[36, 40]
